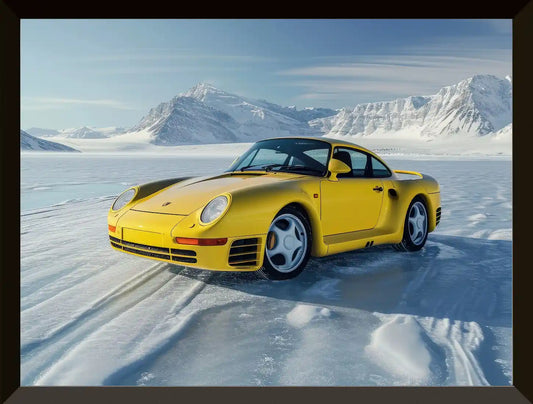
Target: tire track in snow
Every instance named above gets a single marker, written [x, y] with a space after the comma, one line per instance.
[119, 291]
[49, 282]
[167, 327]
[172, 337]
[63, 339]
[459, 340]
[190, 294]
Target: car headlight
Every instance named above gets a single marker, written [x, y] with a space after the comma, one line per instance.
[124, 199]
[214, 209]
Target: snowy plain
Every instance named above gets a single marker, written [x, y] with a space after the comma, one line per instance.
[93, 316]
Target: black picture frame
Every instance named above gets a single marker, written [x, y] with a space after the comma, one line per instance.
[11, 12]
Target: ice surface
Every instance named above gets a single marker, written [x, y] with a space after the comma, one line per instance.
[93, 316]
[52, 179]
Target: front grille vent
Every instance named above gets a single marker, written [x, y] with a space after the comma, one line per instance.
[244, 252]
[177, 255]
[146, 253]
[144, 247]
[438, 216]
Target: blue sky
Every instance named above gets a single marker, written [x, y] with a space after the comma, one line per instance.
[111, 72]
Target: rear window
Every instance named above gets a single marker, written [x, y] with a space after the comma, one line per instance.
[379, 170]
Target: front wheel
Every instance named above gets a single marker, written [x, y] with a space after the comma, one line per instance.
[288, 245]
[415, 231]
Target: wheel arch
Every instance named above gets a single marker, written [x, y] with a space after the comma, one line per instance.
[429, 209]
[265, 203]
[300, 207]
[423, 197]
[317, 246]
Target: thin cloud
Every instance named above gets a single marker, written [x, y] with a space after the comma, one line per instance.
[394, 75]
[377, 87]
[416, 70]
[423, 69]
[171, 55]
[43, 103]
[169, 62]
[143, 70]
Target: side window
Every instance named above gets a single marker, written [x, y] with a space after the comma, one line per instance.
[379, 170]
[358, 161]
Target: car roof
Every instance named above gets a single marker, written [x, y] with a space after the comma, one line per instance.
[331, 141]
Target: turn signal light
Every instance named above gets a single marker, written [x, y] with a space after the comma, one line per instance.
[201, 241]
[112, 228]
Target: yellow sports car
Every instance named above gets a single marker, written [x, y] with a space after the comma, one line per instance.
[283, 200]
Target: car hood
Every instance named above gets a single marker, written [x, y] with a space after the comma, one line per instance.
[187, 196]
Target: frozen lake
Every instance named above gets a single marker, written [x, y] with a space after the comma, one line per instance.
[93, 316]
[52, 178]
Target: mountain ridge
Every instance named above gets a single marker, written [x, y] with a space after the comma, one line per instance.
[83, 132]
[206, 114]
[29, 142]
[476, 106]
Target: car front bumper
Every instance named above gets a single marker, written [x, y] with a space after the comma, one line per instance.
[153, 236]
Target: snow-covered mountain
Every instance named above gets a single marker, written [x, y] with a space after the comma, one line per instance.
[29, 142]
[185, 120]
[85, 132]
[476, 110]
[504, 133]
[206, 114]
[303, 115]
[476, 106]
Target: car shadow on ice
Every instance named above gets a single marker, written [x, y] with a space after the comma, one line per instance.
[452, 277]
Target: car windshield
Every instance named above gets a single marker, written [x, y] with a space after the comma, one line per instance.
[302, 156]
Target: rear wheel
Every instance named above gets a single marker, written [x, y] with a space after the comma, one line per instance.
[415, 230]
[288, 245]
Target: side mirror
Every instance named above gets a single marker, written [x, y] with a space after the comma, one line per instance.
[337, 167]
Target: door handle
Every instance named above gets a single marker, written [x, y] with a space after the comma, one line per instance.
[378, 189]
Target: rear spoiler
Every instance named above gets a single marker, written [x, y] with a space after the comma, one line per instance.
[408, 172]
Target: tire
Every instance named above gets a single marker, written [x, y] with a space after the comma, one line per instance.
[415, 229]
[288, 245]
